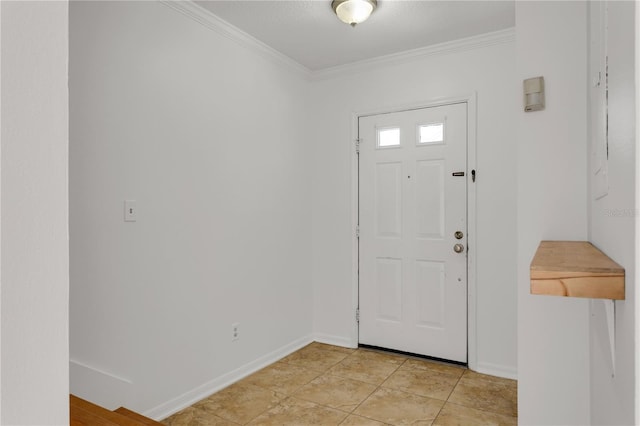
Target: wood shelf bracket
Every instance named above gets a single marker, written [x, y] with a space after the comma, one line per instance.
[610, 312]
[579, 269]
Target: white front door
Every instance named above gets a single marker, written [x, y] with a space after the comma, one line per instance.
[413, 231]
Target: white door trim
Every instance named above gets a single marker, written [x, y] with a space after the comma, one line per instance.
[471, 101]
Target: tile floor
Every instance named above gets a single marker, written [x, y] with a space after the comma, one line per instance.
[329, 385]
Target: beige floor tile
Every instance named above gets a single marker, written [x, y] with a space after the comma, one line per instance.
[399, 408]
[296, 412]
[374, 355]
[329, 385]
[240, 402]
[486, 393]
[336, 392]
[354, 420]
[194, 417]
[367, 366]
[457, 415]
[282, 377]
[422, 382]
[419, 364]
[315, 358]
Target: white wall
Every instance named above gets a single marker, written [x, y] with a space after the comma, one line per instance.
[489, 71]
[553, 333]
[34, 387]
[612, 229]
[212, 140]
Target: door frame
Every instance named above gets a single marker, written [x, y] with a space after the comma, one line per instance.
[471, 101]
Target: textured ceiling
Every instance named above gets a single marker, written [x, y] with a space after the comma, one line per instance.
[308, 31]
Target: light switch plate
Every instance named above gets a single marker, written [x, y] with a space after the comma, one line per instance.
[130, 211]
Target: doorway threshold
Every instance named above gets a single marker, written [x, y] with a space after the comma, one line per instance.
[412, 355]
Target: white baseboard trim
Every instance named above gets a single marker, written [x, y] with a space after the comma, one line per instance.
[100, 387]
[497, 370]
[481, 367]
[187, 399]
[345, 342]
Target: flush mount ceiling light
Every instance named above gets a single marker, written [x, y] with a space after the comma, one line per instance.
[353, 12]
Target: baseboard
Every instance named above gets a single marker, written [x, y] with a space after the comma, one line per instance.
[497, 370]
[481, 367]
[335, 340]
[187, 399]
[101, 388]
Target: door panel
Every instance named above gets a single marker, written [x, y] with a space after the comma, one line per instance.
[430, 199]
[389, 287]
[430, 293]
[413, 286]
[388, 199]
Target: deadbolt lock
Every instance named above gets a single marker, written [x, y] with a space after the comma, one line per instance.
[458, 235]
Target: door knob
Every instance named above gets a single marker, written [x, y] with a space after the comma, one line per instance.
[458, 248]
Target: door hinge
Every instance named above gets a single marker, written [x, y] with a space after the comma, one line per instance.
[358, 315]
[357, 144]
[357, 231]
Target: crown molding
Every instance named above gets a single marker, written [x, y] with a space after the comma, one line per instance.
[209, 20]
[470, 43]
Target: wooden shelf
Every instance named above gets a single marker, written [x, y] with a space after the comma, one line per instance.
[575, 269]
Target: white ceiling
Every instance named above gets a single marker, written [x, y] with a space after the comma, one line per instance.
[308, 31]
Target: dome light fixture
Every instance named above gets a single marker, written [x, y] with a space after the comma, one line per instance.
[353, 12]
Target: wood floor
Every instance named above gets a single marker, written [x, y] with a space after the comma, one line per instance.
[85, 413]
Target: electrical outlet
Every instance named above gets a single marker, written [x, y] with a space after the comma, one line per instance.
[130, 211]
[235, 331]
